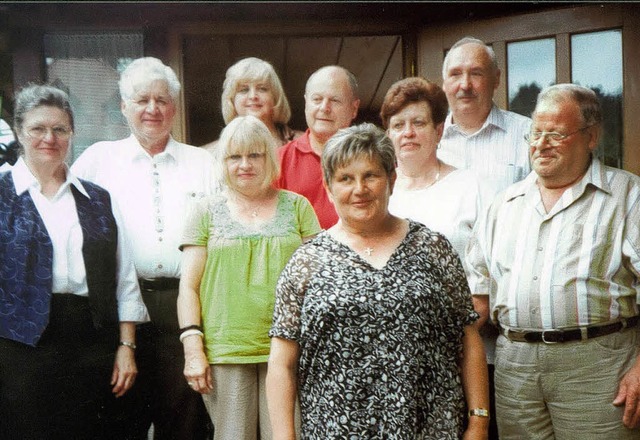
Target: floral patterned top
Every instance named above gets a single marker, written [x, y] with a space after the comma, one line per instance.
[379, 348]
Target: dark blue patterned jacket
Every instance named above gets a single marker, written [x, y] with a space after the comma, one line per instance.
[26, 257]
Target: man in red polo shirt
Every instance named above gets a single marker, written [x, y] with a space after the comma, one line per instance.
[331, 103]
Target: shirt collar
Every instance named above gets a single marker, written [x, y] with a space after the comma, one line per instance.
[495, 118]
[170, 152]
[24, 180]
[303, 143]
[595, 175]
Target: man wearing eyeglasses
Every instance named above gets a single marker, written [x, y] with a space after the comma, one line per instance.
[556, 264]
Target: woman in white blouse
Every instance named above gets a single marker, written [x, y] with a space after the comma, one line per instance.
[427, 190]
[69, 297]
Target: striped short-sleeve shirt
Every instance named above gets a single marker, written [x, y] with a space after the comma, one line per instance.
[497, 153]
[576, 265]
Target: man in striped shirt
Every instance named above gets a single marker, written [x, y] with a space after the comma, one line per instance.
[556, 264]
[477, 134]
[482, 138]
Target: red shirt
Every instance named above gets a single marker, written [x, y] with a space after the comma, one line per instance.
[301, 172]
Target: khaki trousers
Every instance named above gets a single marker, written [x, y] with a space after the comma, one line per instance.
[238, 404]
[563, 391]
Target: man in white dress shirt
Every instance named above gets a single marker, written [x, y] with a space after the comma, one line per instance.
[481, 137]
[153, 178]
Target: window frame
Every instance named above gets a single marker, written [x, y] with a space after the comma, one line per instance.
[560, 23]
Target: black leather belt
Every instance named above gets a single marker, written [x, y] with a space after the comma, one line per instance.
[575, 334]
[158, 284]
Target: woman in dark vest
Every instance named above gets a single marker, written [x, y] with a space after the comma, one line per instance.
[69, 299]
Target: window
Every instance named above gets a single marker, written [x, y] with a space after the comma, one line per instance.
[87, 67]
[531, 66]
[590, 43]
[604, 49]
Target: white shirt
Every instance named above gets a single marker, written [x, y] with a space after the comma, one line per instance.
[450, 206]
[60, 217]
[497, 153]
[153, 193]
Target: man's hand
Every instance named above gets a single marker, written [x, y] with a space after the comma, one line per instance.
[629, 396]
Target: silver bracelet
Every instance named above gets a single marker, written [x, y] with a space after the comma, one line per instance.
[188, 333]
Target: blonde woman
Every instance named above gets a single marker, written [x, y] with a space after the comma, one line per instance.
[252, 87]
[235, 246]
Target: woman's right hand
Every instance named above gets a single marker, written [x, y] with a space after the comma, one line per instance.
[197, 370]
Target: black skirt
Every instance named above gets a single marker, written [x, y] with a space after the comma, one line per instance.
[59, 389]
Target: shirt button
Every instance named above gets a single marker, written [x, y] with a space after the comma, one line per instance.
[535, 278]
[540, 248]
[160, 266]
[159, 238]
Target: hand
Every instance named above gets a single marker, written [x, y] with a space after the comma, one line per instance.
[629, 396]
[124, 371]
[197, 371]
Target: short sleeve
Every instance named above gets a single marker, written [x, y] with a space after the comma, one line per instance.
[475, 262]
[455, 282]
[290, 293]
[307, 218]
[196, 226]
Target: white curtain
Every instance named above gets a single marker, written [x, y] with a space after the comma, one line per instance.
[87, 67]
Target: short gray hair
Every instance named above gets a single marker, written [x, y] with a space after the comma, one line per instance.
[470, 40]
[147, 69]
[245, 135]
[350, 143]
[585, 98]
[36, 95]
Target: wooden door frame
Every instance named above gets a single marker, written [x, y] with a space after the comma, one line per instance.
[560, 23]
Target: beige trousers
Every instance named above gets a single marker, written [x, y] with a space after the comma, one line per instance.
[563, 391]
[238, 403]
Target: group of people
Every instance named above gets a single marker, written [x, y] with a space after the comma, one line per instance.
[462, 272]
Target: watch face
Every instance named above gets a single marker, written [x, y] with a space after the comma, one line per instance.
[479, 412]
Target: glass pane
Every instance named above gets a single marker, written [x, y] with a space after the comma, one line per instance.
[531, 66]
[596, 62]
[88, 67]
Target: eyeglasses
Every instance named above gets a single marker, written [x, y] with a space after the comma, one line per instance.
[40, 131]
[553, 137]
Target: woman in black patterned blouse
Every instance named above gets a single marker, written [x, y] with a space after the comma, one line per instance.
[373, 326]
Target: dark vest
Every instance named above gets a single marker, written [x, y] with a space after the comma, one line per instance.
[26, 257]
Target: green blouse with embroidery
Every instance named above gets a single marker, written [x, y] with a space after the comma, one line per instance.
[237, 291]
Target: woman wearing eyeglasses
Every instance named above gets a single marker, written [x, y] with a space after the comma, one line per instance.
[235, 246]
[69, 299]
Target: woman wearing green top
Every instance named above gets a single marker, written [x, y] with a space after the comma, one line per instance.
[235, 245]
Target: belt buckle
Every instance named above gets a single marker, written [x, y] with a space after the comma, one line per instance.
[545, 340]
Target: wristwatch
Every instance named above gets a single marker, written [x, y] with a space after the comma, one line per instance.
[479, 412]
